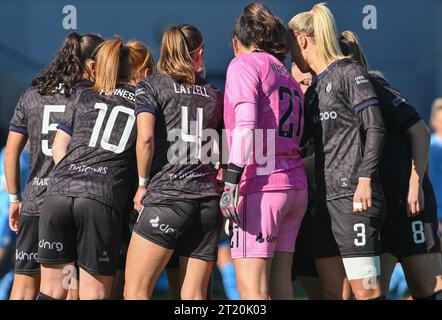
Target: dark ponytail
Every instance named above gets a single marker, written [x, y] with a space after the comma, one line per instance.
[257, 26]
[68, 66]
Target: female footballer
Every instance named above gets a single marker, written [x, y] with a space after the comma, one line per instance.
[265, 200]
[36, 116]
[410, 233]
[94, 153]
[178, 113]
[348, 132]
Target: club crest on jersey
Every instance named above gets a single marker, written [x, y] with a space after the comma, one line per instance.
[329, 87]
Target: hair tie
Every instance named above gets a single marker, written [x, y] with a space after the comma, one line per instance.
[199, 47]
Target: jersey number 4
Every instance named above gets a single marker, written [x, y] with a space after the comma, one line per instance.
[105, 144]
[286, 126]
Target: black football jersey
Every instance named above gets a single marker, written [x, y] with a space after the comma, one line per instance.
[396, 162]
[333, 102]
[37, 117]
[186, 121]
[100, 162]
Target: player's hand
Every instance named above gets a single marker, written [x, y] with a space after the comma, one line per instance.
[139, 196]
[14, 215]
[362, 198]
[416, 200]
[229, 202]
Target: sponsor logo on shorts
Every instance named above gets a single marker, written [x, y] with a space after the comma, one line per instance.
[104, 258]
[155, 223]
[25, 256]
[57, 246]
[269, 239]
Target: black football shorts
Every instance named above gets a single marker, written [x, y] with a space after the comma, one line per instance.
[303, 259]
[341, 232]
[26, 251]
[190, 227]
[82, 230]
[403, 236]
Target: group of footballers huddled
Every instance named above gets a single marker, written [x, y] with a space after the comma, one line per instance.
[119, 143]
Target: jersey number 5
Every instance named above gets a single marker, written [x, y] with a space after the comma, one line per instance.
[102, 107]
[288, 133]
[48, 126]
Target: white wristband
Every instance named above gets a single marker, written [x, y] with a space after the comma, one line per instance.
[143, 181]
[15, 197]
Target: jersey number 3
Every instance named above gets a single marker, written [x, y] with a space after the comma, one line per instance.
[286, 130]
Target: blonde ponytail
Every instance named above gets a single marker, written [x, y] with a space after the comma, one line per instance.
[178, 45]
[108, 63]
[319, 24]
[117, 62]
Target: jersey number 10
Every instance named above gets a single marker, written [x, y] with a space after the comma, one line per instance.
[102, 107]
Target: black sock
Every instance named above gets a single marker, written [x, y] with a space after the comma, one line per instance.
[378, 298]
[435, 296]
[42, 296]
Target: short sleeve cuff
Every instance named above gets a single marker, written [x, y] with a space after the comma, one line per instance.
[149, 109]
[18, 129]
[366, 104]
[65, 128]
[411, 122]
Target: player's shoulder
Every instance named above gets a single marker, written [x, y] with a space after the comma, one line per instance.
[200, 81]
[383, 86]
[156, 80]
[250, 60]
[348, 67]
[378, 79]
[30, 94]
[81, 86]
[83, 89]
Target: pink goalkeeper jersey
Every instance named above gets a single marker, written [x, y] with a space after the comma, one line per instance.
[261, 79]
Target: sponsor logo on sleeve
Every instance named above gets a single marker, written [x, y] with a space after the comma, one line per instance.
[139, 91]
[361, 80]
[398, 101]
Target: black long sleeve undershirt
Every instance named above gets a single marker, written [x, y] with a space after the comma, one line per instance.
[373, 125]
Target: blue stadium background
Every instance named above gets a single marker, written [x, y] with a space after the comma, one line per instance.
[406, 46]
